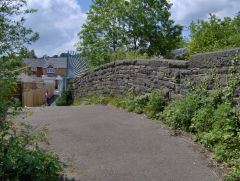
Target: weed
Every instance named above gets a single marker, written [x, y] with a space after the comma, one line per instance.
[212, 117]
[21, 158]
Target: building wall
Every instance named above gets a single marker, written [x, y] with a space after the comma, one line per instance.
[168, 76]
[58, 71]
[38, 71]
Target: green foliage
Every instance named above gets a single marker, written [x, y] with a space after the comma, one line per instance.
[25, 53]
[178, 113]
[20, 156]
[215, 34]
[155, 104]
[116, 101]
[13, 34]
[22, 159]
[212, 117]
[117, 29]
[65, 99]
[7, 85]
[13, 37]
[122, 54]
[149, 103]
[93, 99]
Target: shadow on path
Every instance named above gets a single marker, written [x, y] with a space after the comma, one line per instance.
[52, 101]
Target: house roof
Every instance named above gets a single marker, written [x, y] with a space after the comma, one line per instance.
[45, 62]
[56, 62]
[34, 62]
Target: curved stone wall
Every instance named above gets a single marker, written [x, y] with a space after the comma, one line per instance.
[168, 76]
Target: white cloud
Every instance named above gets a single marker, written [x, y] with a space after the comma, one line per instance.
[184, 11]
[58, 22]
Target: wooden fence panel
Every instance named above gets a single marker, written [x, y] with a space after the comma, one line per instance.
[33, 94]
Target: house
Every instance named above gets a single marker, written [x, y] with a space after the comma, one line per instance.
[49, 69]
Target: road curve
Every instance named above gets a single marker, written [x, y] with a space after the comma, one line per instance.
[102, 143]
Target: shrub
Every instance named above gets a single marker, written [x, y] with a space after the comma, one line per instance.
[140, 103]
[202, 119]
[155, 104]
[215, 34]
[65, 99]
[178, 114]
[212, 117]
[117, 102]
[129, 103]
[22, 159]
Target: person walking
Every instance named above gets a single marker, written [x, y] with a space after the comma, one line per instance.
[47, 96]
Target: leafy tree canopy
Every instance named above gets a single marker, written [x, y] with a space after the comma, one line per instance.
[13, 38]
[20, 156]
[64, 55]
[13, 34]
[215, 34]
[136, 25]
[25, 53]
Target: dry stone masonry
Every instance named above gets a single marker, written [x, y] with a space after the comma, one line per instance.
[168, 76]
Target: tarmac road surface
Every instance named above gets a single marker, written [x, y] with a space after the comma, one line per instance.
[102, 143]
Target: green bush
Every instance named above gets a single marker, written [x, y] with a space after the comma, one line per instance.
[22, 159]
[155, 104]
[65, 99]
[212, 117]
[149, 103]
[117, 102]
[214, 34]
[178, 114]
[201, 121]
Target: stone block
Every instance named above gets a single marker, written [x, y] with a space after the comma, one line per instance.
[185, 72]
[211, 59]
[174, 96]
[178, 64]
[142, 62]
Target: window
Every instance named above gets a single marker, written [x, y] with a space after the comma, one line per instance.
[33, 69]
[50, 70]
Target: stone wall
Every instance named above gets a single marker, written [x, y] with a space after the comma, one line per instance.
[168, 76]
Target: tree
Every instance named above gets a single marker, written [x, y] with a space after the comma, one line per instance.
[13, 37]
[215, 34]
[135, 25]
[19, 148]
[55, 56]
[64, 55]
[150, 27]
[13, 34]
[103, 32]
[25, 53]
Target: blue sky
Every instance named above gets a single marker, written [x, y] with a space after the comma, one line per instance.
[59, 21]
[84, 4]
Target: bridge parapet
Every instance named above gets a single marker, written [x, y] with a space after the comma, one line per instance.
[168, 76]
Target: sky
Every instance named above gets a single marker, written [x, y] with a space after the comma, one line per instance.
[59, 21]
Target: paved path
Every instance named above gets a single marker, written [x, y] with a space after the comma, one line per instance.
[108, 144]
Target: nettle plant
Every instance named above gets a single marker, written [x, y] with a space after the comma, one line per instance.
[212, 116]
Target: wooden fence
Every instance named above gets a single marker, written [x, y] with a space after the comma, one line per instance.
[33, 93]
